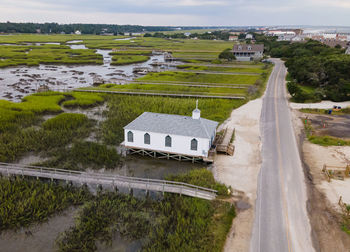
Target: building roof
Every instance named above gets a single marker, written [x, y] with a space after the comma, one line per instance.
[245, 48]
[173, 125]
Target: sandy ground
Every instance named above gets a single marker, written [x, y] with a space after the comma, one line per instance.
[241, 170]
[319, 105]
[316, 156]
[323, 196]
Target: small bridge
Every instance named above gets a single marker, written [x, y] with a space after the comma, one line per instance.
[156, 185]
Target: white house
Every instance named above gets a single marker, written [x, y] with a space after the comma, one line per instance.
[77, 32]
[248, 52]
[249, 36]
[174, 134]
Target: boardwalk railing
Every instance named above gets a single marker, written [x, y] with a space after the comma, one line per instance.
[109, 180]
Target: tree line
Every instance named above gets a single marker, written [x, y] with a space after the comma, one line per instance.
[218, 35]
[312, 66]
[9, 27]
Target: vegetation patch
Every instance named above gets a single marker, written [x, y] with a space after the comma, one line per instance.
[203, 178]
[84, 155]
[230, 69]
[177, 89]
[131, 52]
[200, 77]
[83, 100]
[171, 224]
[47, 54]
[128, 59]
[25, 201]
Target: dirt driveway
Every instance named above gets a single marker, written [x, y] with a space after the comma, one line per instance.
[331, 125]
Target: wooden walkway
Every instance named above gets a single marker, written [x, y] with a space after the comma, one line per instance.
[233, 97]
[223, 142]
[215, 72]
[156, 185]
[193, 83]
[189, 85]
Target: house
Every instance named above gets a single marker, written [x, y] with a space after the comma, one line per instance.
[77, 32]
[233, 38]
[248, 52]
[249, 36]
[172, 134]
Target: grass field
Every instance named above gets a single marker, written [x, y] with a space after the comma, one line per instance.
[46, 54]
[231, 69]
[131, 52]
[128, 59]
[198, 77]
[176, 89]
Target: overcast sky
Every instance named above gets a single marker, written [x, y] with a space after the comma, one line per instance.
[179, 12]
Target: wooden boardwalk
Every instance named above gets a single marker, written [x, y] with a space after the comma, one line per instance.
[233, 97]
[193, 83]
[215, 72]
[156, 185]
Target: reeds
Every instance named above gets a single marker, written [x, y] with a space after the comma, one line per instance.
[25, 201]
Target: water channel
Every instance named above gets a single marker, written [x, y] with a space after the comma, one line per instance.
[17, 82]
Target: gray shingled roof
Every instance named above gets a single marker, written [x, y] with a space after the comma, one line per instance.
[173, 124]
[244, 48]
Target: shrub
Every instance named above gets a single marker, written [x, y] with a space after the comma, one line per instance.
[66, 121]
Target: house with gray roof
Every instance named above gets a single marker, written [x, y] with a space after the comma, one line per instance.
[248, 52]
[175, 134]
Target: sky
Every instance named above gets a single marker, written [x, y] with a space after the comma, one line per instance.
[179, 12]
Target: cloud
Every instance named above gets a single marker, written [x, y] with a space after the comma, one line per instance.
[179, 12]
[333, 3]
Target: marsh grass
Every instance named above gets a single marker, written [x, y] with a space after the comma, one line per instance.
[82, 100]
[131, 52]
[128, 59]
[26, 201]
[46, 54]
[173, 223]
[82, 155]
[176, 89]
[200, 77]
[232, 69]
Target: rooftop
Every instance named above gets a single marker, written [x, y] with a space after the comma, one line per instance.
[173, 124]
[245, 48]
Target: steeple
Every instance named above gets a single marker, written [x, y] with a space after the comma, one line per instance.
[196, 113]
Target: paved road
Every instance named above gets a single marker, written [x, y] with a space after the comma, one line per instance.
[281, 221]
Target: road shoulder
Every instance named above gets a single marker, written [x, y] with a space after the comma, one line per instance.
[241, 170]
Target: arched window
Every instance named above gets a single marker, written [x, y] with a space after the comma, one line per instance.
[167, 141]
[147, 139]
[130, 137]
[194, 144]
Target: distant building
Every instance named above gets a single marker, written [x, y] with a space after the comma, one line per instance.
[187, 34]
[249, 36]
[173, 134]
[298, 38]
[233, 38]
[77, 32]
[347, 50]
[334, 43]
[248, 52]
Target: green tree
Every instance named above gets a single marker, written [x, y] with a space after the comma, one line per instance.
[227, 54]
